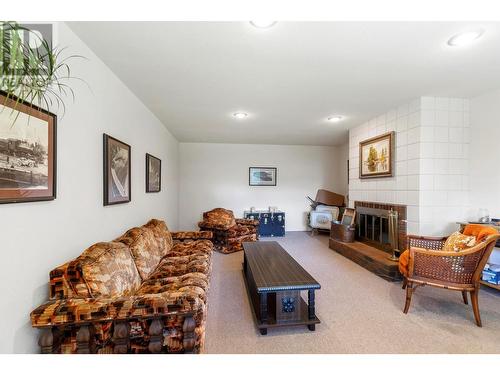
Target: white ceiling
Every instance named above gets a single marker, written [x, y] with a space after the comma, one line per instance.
[289, 78]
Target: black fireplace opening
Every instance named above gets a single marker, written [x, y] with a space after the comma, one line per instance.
[373, 227]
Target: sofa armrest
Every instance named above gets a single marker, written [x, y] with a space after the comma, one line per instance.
[192, 235]
[248, 222]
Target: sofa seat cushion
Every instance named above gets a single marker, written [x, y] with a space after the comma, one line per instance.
[178, 266]
[202, 247]
[145, 249]
[195, 283]
[105, 269]
[78, 310]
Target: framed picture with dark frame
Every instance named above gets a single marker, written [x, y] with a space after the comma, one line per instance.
[376, 156]
[117, 171]
[153, 174]
[262, 176]
[28, 143]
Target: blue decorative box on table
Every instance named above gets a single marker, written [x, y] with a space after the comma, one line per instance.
[271, 224]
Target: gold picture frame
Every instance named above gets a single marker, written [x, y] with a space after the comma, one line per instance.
[376, 156]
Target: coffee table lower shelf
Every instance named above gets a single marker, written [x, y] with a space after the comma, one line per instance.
[271, 318]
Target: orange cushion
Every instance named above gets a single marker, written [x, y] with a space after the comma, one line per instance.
[459, 242]
[480, 231]
[404, 261]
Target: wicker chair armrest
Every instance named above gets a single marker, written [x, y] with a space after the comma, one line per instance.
[249, 222]
[192, 235]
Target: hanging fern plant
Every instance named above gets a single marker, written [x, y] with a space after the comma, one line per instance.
[34, 75]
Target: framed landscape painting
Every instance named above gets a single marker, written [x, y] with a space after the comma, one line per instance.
[27, 152]
[262, 176]
[376, 156]
[117, 188]
[153, 174]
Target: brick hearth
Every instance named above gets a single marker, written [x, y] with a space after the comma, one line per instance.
[370, 257]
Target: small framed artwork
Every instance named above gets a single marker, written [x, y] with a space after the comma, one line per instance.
[153, 174]
[376, 156]
[27, 151]
[117, 188]
[262, 176]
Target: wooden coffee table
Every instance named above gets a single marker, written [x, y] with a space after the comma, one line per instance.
[274, 281]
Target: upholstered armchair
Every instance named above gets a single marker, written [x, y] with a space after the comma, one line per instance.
[228, 233]
[425, 263]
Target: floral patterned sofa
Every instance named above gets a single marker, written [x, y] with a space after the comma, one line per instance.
[228, 233]
[146, 291]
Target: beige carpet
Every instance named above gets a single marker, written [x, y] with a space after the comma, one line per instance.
[359, 312]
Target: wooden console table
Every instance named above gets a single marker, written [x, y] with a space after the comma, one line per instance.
[274, 281]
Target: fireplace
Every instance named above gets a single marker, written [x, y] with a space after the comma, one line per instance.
[377, 227]
[374, 227]
[380, 229]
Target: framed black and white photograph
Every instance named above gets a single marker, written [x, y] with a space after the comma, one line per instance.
[117, 188]
[262, 176]
[27, 152]
[153, 174]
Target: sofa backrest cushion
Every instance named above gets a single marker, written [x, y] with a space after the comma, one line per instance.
[218, 218]
[162, 235]
[106, 269]
[145, 249]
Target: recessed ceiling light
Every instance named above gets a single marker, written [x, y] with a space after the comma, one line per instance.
[240, 115]
[263, 24]
[465, 38]
[335, 118]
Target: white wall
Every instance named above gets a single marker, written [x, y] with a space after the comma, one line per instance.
[403, 187]
[444, 164]
[36, 237]
[216, 175]
[484, 169]
[431, 164]
[484, 163]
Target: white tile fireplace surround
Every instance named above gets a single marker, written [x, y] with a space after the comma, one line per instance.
[431, 163]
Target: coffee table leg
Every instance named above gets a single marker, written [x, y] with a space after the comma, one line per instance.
[263, 312]
[311, 307]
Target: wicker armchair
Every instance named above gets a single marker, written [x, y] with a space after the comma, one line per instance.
[460, 271]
